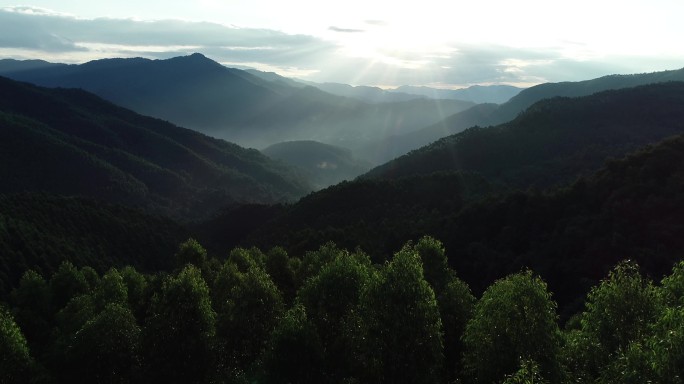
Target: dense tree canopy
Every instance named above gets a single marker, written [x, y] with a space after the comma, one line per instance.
[407, 320]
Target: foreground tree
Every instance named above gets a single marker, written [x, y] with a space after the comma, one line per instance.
[279, 266]
[249, 307]
[515, 319]
[331, 299]
[294, 353]
[654, 350]
[190, 252]
[434, 260]
[456, 304]
[673, 286]
[177, 336]
[667, 346]
[106, 348]
[403, 327]
[33, 310]
[15, 362]
[528, 373]
[67, 282]
[619, 312]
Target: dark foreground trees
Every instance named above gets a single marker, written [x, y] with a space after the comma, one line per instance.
[334, 317]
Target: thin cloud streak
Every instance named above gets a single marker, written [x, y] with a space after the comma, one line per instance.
[345, 30]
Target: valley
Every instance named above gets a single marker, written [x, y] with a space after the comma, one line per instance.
[259, 228]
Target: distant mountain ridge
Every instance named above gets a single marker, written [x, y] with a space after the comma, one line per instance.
[11, 65]
[366, 93]
[479, 94]
[70, 142]
[496, 94]
[483, 116]
[555, 139]
[199, 93]
[529, 96]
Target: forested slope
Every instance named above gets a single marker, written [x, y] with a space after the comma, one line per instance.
[40, 231]
[570, 235]
[333, 316]
[71, 142]
[554, 140]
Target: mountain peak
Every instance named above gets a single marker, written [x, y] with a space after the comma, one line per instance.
[198, 55]
[195, 59]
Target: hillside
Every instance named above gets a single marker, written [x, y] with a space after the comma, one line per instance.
[39, 231]
[376, 215]
[70, 142]
[554, 140]
[382, 151]
[630, 209]
[322, 164]
[198, 93]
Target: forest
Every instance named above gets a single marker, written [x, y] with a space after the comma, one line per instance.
[542, 250]
[333, 316]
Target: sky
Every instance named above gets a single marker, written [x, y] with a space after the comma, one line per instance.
[444, 44]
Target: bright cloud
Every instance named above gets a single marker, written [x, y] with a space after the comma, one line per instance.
[448, 44]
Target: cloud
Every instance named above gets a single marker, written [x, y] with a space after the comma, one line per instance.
[19, 29]
[48, 33]
[345, 30]
[377, 23]
[28, 33]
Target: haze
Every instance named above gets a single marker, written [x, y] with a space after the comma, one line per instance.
[381, 43]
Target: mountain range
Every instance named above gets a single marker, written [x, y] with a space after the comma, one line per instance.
[71, 142]
[496, 94]
[555, 139]
[484, 115]
[542, 190]
[610, 166]
[196, 92]
[554, 142]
